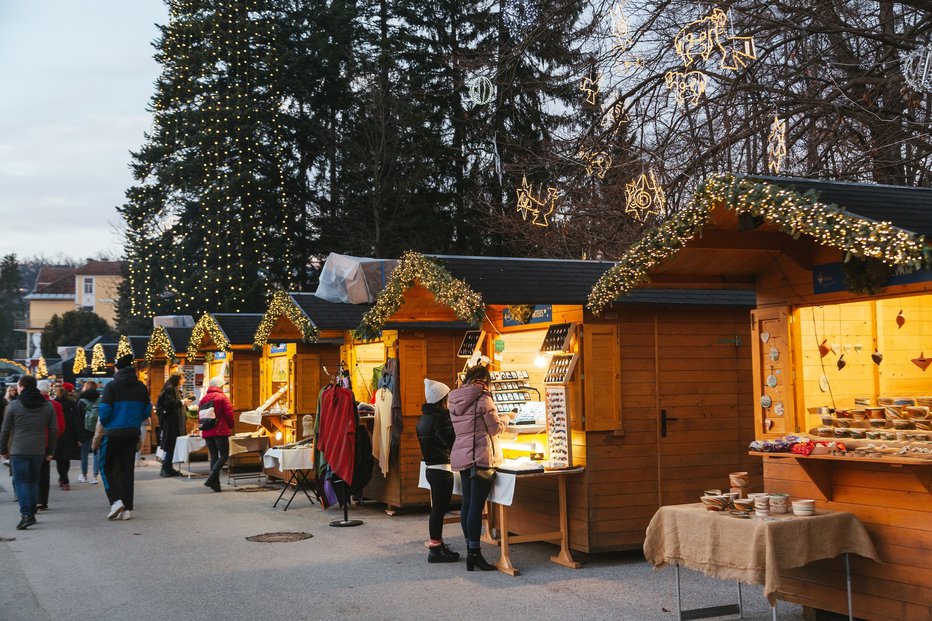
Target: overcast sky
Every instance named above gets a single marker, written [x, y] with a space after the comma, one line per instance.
[75, 80]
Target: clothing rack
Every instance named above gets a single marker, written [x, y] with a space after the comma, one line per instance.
[345, 522]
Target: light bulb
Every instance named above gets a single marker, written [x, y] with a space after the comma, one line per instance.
[540, 362]
[278, 435]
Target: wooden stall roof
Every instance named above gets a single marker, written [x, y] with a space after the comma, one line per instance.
[428, 325]
[238, 328]
[906, 207]
[139, 344]
[329, 315]
[221, 331]
[167, 342]
[731, 249]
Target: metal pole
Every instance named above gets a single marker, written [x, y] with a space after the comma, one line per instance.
[740, 605]
[679, 607]
[848, 583]
[773, 612]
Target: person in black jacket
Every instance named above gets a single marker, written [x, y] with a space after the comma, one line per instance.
[69, 439]
[88, 404]
[170, 408]
[435, 434]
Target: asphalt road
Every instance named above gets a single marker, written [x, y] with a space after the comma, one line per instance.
[185, 556]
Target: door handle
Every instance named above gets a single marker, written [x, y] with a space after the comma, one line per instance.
[664, 419]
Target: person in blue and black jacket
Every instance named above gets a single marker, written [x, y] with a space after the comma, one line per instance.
[123, 407]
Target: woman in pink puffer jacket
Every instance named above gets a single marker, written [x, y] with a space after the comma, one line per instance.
[476, 422]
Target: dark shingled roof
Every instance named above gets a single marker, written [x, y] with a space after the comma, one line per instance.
[908, 208]
[689, 297]
[139, 344]
[54, 279]
[429, 325]
[329, 315]
[502, 280]
[239, 328]
[179, 338]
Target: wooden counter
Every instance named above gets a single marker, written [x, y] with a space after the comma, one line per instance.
[892, 497]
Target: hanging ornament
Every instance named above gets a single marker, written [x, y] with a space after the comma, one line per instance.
[768, 424]
[900, 319]
[687, 87]
[615, 116]
[765, 336]
[841, 362]
[772, 380]
[520, 15]
[534, 206]
[823, 383]
[766, 401]
[644, 196]
[917, 69]
[597, 163]
[922, 362]
[481, 90]
[779, 408]
[776, 145]
[857, 348]
[710, 36]
[590, 86]
[774, 354]
[824, 348]
[836, 347]
[877, 357]
[622, 41]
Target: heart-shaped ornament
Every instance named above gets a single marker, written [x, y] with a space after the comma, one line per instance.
[857, 348]
[841, 362]
[768, 424]
[900, 320]
[877, 357]
[765, 336]
[836, 347]
[824, 348]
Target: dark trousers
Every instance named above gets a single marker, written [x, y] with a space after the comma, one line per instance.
[441, 490]
[219, 449]
[63, 466]
[45, 476]
[117, 463]
[475, 493]
[26, 469]
[169, 440]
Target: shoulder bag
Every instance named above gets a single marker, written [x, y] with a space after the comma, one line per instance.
[206, 417]
[475, 472]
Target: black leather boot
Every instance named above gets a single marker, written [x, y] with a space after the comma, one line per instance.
[441, 554]
[474, 560]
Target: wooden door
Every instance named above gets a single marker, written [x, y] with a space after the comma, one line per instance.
[702, 378]
[242, 379]
[602, 376]
[412, 354]
[774, 382]
[306, 383]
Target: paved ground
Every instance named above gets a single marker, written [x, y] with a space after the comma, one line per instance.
[185, 556]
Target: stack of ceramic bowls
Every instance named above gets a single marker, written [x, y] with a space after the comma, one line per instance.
[804, 507]
[779, 503]
[761, 504]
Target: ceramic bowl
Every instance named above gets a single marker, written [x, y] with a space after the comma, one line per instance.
[874, 435]
[757, 495]
[804, 507]
[843, 413]
[875, 412]
[738, 479]
[843, 422]
[826, 432]
[841, 432]
[712, 492]
[744, 504]
[716, 503]
[902, 424]
[859, 414]
[888, 435]
[858, 434]
[828, 420]
[879, 423]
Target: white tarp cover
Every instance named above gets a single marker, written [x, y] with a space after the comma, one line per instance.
[353, 280]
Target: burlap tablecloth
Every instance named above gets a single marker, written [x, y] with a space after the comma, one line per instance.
[750, 551]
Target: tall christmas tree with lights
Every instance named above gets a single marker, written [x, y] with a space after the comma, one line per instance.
[211, 223]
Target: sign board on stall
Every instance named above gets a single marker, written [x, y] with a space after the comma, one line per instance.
[220, 355]
[499, 345]
[543, 313]
[281, 348]
[830, 278]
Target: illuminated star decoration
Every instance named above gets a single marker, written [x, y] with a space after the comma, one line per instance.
[481, 90]
[687, 87]
[541, 208]
[704, 37]
[622, 38]
[597, 163]
[615, 116]
[644, 196]
[590, 86]
[917, 69]
[776, 145]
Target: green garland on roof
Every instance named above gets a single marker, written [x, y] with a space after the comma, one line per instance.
[159, 342]
[796, 214]
[415, 268]
[206, 325]
[283, 304]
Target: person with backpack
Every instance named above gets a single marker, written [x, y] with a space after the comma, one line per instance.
[69, 439]
[215, 420]
[88, 406]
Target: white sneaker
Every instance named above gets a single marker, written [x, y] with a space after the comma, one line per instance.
[127, 515]
[116, 509]
[94, 481]
[82, 479]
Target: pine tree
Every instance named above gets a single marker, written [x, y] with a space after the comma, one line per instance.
[11, 305]
[216, 217]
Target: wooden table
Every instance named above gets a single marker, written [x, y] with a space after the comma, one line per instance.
[752, 551]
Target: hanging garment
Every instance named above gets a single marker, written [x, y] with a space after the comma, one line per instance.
[393, 383]
[362, 471]
[337, 437]
[382, 429]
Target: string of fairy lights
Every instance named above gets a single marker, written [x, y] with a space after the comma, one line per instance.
[160, 343]
[795, 215]
[123, 347]
[415, 268]
[207, 326]
[98, 359]
[282, 305]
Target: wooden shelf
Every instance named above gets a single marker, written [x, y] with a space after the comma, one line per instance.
[883, 459]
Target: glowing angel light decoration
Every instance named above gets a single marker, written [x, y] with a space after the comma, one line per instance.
[615, 116]
[687, 87]
[590, 86]
[644, 196]
[917, 69]
[597, 163]
[539, 208]
[776, 145]
[621, 34]
[705, 37]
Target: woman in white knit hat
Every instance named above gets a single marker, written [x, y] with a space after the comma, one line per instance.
[435, 434]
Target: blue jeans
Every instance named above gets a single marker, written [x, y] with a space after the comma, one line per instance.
[475, 493]
[26, 469]
[85, 452]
